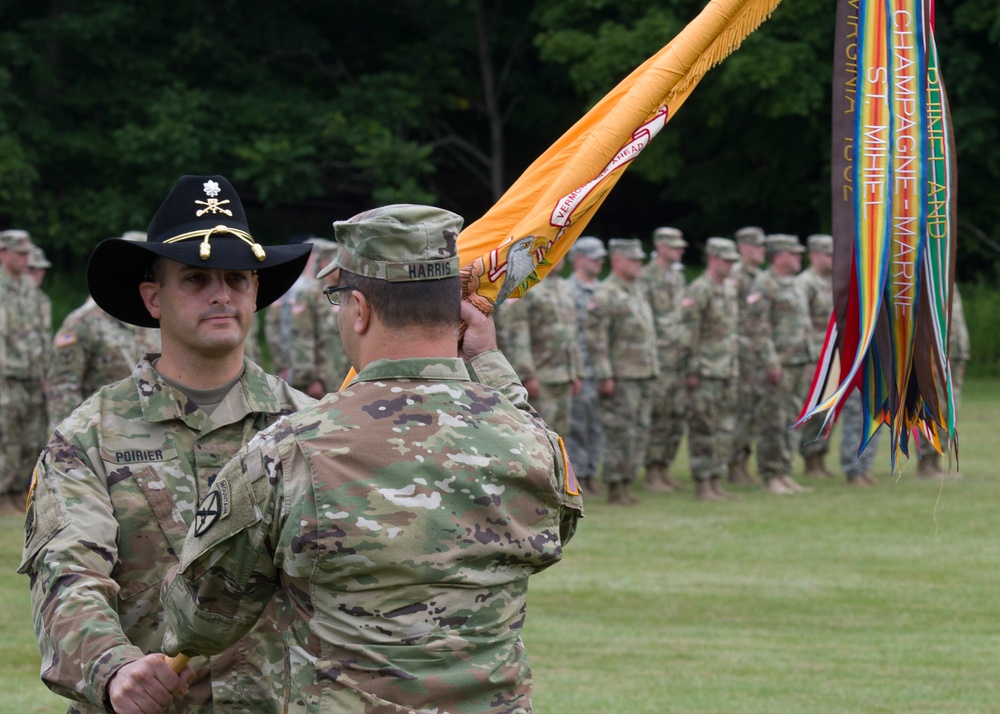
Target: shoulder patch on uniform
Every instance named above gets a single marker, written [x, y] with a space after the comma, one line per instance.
[213, 508]
[752, 298]
[570, 482]
[65, 339]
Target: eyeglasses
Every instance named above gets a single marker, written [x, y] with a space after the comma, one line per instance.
[337, 294]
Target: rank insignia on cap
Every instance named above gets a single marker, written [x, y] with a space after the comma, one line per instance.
[213, 508]
[212, 205]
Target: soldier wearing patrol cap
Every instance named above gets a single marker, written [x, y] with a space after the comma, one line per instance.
[406, 511]
[750, 244]
[25, 331]
[778, 313]
[621, 342]
[816, 282]
[586, 440]
[123, 476]
[664, 280]
[710, 360]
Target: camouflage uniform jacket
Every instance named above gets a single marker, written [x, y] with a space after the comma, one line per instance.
[315, 351]
[583, 296]
[710, 313]
[402, 516]
[742, 276]
[819, 294]
[278, 327]
[91, 349]
[541, 339]
[778, 313]
[28, 328]
[621, 333]
[115, 491]
[664, 290]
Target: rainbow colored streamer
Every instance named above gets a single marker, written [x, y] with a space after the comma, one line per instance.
[893, 211]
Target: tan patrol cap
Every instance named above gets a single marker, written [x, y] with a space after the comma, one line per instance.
[629, 247]
[398, 243]
[820, 243]
[670, 237]
[783, 241]
[750, 235]
[722, 248]
[16, 240]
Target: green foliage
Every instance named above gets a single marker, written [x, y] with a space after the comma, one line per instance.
[329, 110]
[979, 301]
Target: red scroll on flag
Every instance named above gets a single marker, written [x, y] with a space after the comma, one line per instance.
[893, 179]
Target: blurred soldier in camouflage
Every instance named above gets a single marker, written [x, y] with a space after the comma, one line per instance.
[278, 317]
[541, 343]
[25, 334]
[664, 282]
[311, 343]
[857, 467]
[37, 265]
[92, 349]
[710, 360]
[779, 327]
[750, 243]
[621, 342]
[403, 516]
[586, 440]
[959, 352]
[121, 479]
[816, 282]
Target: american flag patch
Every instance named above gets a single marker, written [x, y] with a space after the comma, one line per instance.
[65, 339]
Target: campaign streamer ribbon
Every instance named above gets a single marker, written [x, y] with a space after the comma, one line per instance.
[893, 193]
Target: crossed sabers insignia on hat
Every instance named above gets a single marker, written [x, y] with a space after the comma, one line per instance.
[213, 205]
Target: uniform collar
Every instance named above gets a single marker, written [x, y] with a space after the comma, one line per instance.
[422, 369]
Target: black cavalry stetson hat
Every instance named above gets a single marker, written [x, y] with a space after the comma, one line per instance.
[202, 223]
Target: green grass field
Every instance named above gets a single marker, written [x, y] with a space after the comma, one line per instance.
[842, 600]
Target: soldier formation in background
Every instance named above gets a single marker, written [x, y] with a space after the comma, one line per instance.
[25, 342]
[621, 344]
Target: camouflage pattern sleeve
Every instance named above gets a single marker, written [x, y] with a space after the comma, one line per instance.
[207, 613]
[276, 336]
[69, 553]
[517, 337]
[492, 369]
[597, 335]
[758, 316]
[303, 348]
[64, 390]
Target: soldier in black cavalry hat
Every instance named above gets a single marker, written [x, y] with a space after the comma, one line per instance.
[123, 477]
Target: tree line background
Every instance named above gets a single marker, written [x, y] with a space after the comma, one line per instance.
[336, 107]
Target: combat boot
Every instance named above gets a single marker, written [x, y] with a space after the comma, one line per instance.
[930, 467]
[672, 482]
[794, 486]
[656, 479]
[739, 475]
[814, 466]
[703, 491]
[720, 493]
[618, 494]
[775, 486]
